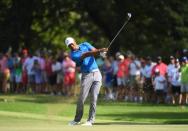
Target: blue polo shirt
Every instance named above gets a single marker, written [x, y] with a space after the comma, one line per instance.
[88, 64]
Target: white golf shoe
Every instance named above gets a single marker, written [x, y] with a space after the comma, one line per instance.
[73, 123]
[88, 123]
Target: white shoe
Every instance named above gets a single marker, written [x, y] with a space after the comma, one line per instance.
[88, 123]
[72, 123]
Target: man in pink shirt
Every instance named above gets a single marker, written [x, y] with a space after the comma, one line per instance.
[5, 72]
[161, 66]
[69, 68]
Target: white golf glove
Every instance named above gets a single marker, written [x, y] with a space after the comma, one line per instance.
[103, 54]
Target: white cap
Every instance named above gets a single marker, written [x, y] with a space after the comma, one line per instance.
[118, 54]
[121, 57]
[69, 40]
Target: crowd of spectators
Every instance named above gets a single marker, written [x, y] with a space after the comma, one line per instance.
[38, 72]
[145, 79]
[125, 77]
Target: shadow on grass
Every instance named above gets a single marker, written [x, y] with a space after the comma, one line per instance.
[42, 99]
[162, 117]
[132, 104]
[135, 123]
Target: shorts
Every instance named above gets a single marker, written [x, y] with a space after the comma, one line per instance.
[114, 81]
[160, 92]
[121, 81]
[31, 78]
[148, 87]
[59, 78]
[135, 82]
[12, 77]
[176, 89]
[18, 78]
[69, 79]
[53, 79]
[44, 77]
[108, 84]
[184, 88]
[38, 79]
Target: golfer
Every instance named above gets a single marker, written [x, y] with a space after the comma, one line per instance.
[91, 80]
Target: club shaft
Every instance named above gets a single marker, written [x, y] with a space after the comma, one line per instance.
[118, 32]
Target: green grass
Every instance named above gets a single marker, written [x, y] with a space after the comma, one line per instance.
[44, 112]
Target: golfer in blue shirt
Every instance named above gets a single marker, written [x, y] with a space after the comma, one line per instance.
[91, 80]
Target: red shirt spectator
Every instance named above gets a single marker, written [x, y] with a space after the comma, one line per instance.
[121, 67]
[161, 66]
[127, 62]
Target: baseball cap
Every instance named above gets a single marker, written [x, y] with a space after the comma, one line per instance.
[184, 59]
[171, 57]
[69, 40]
[118, 54]
[148, 58]
[121, 57]
[159, 58]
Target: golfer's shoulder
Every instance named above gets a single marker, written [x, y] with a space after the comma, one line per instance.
[85, 44]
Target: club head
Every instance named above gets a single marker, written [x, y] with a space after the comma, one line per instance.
[129, 15]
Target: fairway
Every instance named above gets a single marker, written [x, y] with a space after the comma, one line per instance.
[43, 112]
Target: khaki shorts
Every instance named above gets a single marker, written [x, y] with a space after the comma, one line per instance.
[135, 82]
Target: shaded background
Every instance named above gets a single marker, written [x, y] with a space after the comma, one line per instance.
[157, 26]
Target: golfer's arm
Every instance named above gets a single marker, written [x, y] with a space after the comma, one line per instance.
[93, 52]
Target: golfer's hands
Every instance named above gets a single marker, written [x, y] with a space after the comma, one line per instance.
[103, 50]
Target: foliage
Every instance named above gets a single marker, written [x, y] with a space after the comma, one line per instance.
[157, 27]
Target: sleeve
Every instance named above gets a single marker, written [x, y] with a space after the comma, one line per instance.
[89, 46]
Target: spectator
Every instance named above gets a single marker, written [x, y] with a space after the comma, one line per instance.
[170, 67]
[18, 77]
[5, 72]
[56, 68]
[69, 70]
[24, 57]
[44, 79]
[127, 62]
[174, 80]
[121, 77]
[148, 87]
[49, 73]
[134, 72]
[184, 81]
[114, 72]
[162, 67]
[37, 75]
[28, 65]
[159, 85]
[108, 77]
[11, 65]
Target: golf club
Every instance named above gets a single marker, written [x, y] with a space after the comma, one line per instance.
[103, 54]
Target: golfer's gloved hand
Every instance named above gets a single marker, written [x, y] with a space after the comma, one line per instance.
[103, 54]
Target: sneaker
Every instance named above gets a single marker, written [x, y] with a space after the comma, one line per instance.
[72, 123]
[88, 123]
